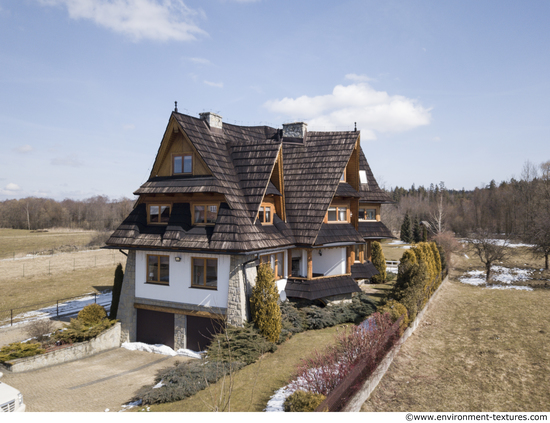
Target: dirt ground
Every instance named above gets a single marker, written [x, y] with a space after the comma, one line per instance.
[477, 350]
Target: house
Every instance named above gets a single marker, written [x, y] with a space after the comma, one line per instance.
[223, 198]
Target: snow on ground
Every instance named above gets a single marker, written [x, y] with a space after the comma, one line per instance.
[277, 401]
[160, 349]
[396, 242]
[501, 242]
[501, 274]
[66, 308]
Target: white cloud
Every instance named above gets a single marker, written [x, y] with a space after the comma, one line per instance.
[12, 187]
[374, 111]
[214, 84]
[139, 19]
[199, 60]
[358, 78]
[70, 160]
[23, 149]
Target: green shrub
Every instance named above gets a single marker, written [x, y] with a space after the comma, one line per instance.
[396, 310]
[77, 331]
[294, 319]
[92, 314]
[266, 313]
[245, 345]
[19, 350]
[184, 380]
[304, 401]
[379, 261]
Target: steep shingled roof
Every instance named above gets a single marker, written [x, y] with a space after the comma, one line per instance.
[370, 191]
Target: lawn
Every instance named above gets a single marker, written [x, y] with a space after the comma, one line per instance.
[19, 242]
[477, 349]
[255, 384]
[42, 278]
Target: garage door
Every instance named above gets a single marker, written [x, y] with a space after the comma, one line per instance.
[200, 331]
[155, 327]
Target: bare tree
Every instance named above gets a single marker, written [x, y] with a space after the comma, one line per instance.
[438, 216]
[488, 249]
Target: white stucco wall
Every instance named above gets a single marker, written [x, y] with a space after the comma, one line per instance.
[331, 263]
[179, 289]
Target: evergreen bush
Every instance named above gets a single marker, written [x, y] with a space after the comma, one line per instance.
[406, 230]
[379, 261]
[19, 350]
[184, 380]
[396, 310]
[304, 401]
[117, 289]
[237, 344]
[77, 331]
[417, 232]
[266, 313]
[92, 314]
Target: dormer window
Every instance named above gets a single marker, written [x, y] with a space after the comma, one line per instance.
[338, 214]
[158, 213]
[205, 214]
[265, 215]
[367, 214]
[343, 177]
[182, 164]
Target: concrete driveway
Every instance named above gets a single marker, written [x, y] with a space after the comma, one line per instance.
[105, 380]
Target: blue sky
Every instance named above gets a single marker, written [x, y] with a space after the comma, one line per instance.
[453, 91]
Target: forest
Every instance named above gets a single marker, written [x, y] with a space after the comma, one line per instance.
[96, 213]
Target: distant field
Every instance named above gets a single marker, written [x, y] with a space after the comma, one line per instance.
[18, 242]
[50, 274]
[477, 349]
[393, 251]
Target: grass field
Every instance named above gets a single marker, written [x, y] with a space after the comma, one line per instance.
[38, 279]
[477, 349]
[255, 384]
[16, 243]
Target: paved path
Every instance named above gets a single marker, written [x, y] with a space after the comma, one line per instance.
[105, 380]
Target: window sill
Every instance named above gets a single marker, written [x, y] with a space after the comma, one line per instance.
[158, 283]
[211, 288]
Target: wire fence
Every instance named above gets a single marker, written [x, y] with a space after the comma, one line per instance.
[54, 264]
[56, 308]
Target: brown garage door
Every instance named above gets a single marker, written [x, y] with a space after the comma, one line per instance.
[155, 327]
[200, 331]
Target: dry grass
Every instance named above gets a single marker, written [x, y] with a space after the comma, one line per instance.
[39, 279]
[476, 350]
[393, 252]
[19, 242]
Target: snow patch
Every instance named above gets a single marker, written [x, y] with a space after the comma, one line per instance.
[161, 349]
[501, 274]
[277, 401]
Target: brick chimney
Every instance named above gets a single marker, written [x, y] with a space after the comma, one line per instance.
[212, 119]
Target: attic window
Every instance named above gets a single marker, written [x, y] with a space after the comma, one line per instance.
[343, 177]
[338, 214]
[265, 215]
[158, 213]
[363, 176]
[205, 214]
[367, 214]
[182, 164]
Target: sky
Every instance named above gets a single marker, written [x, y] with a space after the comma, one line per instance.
[452, 91]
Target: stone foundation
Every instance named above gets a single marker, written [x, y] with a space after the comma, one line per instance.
[127, 314]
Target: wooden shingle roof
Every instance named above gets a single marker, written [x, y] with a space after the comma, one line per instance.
[370, 191]
[320, 288]
[374, 230]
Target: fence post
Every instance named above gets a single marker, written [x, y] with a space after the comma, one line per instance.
[57, 308]
[95, 297]
[11, 318]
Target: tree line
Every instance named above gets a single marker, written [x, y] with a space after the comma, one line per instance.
[97, 213]
[514, 209]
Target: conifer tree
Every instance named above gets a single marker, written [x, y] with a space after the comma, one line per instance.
[406, 230]
[379, 261]
[266, 313]
[417, 234]
[117, 288]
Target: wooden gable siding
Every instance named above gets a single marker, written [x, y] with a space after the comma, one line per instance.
[352, 168]
[176, 141]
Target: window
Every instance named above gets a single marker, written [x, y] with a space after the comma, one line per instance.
[338, 214]
[159, 213]
[204, 273]
[367, 214]
[277, 263]
[158, 269]
[343, 177]
[205, 214]
[358, 252]
[182, 163]
[265, 215]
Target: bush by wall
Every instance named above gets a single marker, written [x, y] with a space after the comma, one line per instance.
[396, 311]
[266, 313]
[304, 401]
[92, 314]
[20, 350]
[91, 321]
[379, 261]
